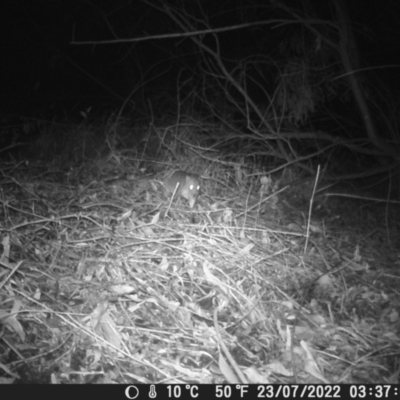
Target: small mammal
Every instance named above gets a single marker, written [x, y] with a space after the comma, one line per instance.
[183, 184]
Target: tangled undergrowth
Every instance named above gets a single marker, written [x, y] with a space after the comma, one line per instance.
[100, 284]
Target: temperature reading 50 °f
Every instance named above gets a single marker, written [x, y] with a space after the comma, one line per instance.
[175, 391]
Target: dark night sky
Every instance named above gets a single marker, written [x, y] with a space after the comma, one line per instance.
[41, 69]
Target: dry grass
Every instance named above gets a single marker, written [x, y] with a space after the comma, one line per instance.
[97, 284]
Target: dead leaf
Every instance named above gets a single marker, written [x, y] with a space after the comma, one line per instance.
[97, 314]
[227, 371]
[109, 330]
[246, 249]
[256, 377]
[310, 364]
[6, 249]
[121, 289]
[277, 367]
[211, 278]
[156, 218]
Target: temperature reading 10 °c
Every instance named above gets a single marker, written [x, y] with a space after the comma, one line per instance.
[175, 391]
